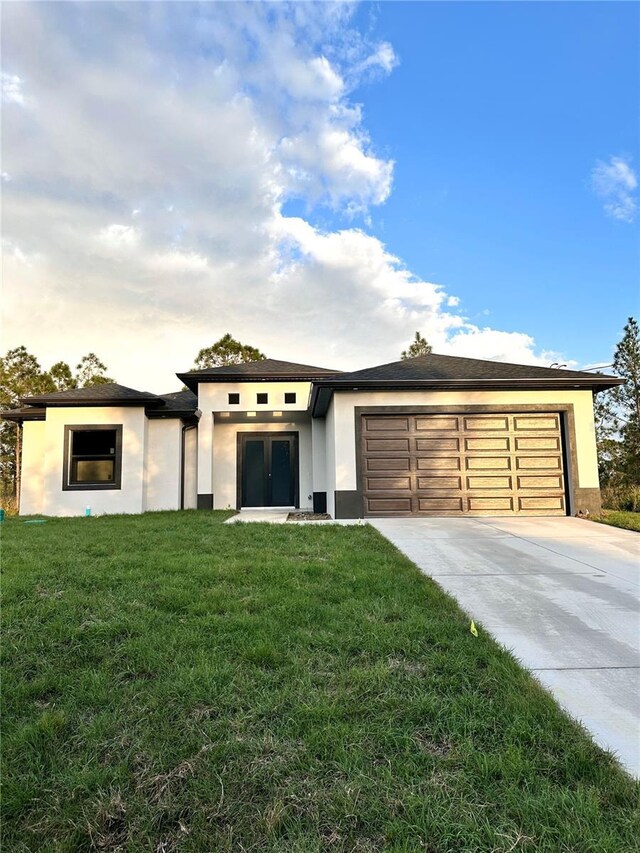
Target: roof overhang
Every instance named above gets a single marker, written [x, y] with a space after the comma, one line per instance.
[323, 390]
[28, 413]
[192, 380]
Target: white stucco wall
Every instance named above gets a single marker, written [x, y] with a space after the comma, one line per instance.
[191, 469]
[225, 458]
[330, 455]
[32, 467]
[162, 464]
[340, 423]
[127, 499]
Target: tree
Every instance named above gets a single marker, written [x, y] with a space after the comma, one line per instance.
[91, 371]
[227, 351]
[418, 346]
[22, 376]
[626, 364]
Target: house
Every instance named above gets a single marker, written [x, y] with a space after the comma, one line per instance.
[427, 436]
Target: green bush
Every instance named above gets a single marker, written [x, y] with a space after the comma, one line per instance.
[626, 498]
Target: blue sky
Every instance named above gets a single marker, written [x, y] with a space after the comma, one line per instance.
[321, 181]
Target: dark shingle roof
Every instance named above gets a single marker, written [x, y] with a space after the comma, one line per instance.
[257, 371]
[178, 404]
[108, 394]
[25, 413]
[449, 367]
[447, 371]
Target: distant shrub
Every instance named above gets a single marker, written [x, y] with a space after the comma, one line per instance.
[626, 498]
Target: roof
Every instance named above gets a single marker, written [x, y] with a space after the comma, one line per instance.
[267, 370]
[178, 404]
[447, 371]
[107, 394]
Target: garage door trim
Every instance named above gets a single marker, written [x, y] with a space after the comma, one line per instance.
[567, 419]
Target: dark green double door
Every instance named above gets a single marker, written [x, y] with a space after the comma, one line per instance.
[268, 469]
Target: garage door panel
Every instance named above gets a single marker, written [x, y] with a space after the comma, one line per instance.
[436, 444]
[438, 463]
[547, 442]
[442, 483]
[490, 504]
[486, 443]
[539, 482]
[389, 505]
[493, 483]
[495, 463]
[436, 505]
[385, 445]
[537, 423]
[541, 502]
[435, 422]
[388, 425]
[414, 464]
[538, 462]
[386, 484]
[374, 463]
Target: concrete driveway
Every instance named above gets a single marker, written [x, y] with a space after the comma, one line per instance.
[563, 594]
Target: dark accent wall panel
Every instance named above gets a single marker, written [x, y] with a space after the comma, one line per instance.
[319, 501]
[348, 504]
[205, 501]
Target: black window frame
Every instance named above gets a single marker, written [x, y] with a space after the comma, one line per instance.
[67, 484]
[289, 397]
[264, 401]
[234, 398]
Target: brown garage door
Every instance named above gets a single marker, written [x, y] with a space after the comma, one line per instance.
[480, 464]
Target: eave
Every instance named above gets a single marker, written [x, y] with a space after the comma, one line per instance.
[322, 391]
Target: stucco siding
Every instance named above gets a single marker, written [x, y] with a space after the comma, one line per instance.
[162, 464]
[344, 404]
[32, 468]
[127, 499]
[225, 458]
[190, 468]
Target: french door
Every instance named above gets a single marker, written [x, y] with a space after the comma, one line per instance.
[268, 469]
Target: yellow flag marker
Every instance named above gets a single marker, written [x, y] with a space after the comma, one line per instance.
[473, 628]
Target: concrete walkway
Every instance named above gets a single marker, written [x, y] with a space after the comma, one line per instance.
[563, 594]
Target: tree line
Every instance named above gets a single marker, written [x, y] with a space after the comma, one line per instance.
[617, 412]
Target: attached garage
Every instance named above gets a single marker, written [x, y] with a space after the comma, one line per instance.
[504, 463]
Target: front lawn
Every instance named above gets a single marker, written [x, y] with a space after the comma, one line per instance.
[619, 518]
[175, 684]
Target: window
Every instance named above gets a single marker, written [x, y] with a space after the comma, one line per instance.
[262, 398]
[234, 399]
[289, 397]
[92, 457]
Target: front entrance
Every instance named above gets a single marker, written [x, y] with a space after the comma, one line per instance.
[268, 469]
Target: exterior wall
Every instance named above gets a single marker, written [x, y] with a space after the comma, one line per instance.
[127, 499]
[341, 429]
[225, 458]
[330, 451]
[190, 468]
[162, 457]
[32, 467]
[217, 442]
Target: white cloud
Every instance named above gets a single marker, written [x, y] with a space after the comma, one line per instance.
[615, 182]
[198, 127]
[12, 89]
[119, 236]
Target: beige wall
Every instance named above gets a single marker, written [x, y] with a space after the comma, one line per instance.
[32, 468]
[162, 464]
[341, 433]
[225, 458]
[214, 396]
[129, 498]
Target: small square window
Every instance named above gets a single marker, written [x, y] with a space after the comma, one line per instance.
[289, 397]
[262, 398]
[234, 399]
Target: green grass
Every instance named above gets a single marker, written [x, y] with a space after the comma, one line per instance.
[619, 518]
[175, 684]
